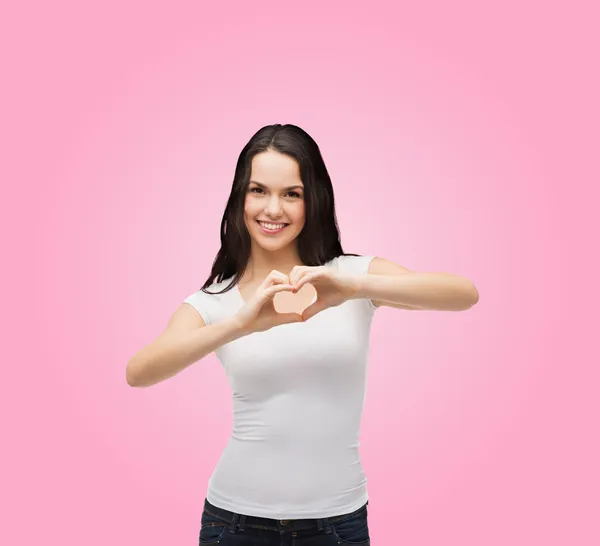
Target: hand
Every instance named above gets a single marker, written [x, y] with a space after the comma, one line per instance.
[258, 314]
[333, 286]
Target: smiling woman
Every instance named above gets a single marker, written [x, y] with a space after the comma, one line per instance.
[288, 314]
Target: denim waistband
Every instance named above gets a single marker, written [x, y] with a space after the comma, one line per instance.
[242, 520]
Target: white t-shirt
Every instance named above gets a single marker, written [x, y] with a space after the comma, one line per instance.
[297, 392]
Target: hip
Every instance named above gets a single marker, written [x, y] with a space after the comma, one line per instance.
[228, 528]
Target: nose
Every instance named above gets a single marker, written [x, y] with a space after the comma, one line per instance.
[273, 208]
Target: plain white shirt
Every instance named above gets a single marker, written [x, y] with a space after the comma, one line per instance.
[297, 392]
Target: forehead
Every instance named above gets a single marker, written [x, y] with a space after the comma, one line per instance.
[275, 169]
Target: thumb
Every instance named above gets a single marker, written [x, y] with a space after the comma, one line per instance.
[287, 318]
[313, 309]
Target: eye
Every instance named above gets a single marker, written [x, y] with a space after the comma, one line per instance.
[294, 193]
[255, 189]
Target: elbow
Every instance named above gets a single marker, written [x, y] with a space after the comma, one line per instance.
[468, 298]
[132, 375]
[473, 295]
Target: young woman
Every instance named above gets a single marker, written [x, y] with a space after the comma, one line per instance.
[288, 314]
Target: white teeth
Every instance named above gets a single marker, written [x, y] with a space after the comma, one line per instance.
[271, 226]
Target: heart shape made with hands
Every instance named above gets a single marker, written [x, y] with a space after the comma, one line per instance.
[288, 302]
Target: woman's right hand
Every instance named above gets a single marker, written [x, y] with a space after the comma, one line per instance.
[258, 313]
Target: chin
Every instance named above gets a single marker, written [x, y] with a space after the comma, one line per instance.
[273, 245]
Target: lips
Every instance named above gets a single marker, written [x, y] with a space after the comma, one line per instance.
[271, 231]
[273, 223]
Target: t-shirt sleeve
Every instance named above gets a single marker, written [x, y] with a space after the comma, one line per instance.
[201, 302]
[358, 265]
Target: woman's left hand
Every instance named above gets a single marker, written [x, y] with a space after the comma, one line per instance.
[333, 286]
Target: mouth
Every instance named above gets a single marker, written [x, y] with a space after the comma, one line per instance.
[271, 228]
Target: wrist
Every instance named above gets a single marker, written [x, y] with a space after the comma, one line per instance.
[237, 327]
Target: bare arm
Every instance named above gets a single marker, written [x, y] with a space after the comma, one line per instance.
[392, 285]
[185, 340]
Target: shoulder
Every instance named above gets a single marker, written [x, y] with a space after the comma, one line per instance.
[354, 264]
[381, 266]
[209, 304]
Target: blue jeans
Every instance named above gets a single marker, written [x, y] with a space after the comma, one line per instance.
[224, 528]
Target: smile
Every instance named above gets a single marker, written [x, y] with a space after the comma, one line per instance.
[270, 228]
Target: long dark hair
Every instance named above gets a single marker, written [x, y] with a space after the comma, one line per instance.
[319, 240]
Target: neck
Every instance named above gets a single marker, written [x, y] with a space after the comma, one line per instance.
[262, 262]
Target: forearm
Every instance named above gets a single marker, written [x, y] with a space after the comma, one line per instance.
[442, 291]
[171, 353]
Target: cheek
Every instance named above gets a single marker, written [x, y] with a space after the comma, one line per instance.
[298, 213]
[249, 215]
[250, 208]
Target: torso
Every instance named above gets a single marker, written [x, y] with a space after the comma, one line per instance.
[297, 398]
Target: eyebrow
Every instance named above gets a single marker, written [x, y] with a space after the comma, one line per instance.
[288, 188]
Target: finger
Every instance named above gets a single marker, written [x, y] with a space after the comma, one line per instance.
[275, 277]
[308, 277]
[277, 280]
[295, 276]
[272, 290]
[297, 272]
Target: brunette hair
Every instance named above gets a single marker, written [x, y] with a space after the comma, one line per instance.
[319, 240]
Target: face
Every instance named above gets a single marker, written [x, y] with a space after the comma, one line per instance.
[274, 205]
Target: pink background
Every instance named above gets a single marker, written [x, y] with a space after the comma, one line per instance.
[459, 138]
